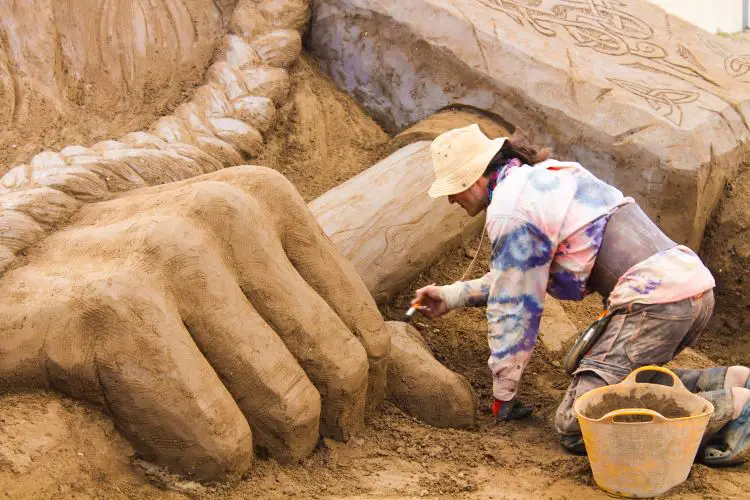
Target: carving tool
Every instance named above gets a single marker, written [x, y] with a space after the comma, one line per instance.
[410, 313]
[416, 307]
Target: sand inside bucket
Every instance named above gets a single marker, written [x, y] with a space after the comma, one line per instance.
[663, 404]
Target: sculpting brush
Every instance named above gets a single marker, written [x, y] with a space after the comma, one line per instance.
[414, 308]
[410, 313]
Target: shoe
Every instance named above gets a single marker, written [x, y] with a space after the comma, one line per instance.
[731, 445]
[574, 444]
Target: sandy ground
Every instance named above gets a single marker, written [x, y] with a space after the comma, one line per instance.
[70, 450]
[322, 137]
[54, 447]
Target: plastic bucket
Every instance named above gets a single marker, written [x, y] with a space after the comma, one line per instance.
[641, 438]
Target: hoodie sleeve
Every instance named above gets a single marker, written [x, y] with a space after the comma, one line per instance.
[467, 293]
[520, 261]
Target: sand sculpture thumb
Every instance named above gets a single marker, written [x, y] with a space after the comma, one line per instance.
[209, 316]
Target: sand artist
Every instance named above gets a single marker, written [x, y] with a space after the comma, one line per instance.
[555, 227]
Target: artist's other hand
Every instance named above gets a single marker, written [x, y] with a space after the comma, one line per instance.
[430, 301]
[510, 410]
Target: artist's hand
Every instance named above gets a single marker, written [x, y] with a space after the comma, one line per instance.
[430, 301]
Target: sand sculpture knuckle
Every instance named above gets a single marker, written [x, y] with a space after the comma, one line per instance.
[221, 204]
[350, 377]
[165, 241]
[271, 179]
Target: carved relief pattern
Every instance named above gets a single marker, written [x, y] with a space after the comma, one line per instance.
[605, 26]
[687, 55]
[602, 26]
[666, 102]
[716, 48]
[737, 66]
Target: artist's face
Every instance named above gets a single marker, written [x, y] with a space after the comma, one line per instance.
[473, 200]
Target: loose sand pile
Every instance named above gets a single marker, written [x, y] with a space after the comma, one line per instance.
[323, 137]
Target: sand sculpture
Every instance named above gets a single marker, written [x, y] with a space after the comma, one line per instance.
[191, 310]
[645, 100]
[211, 315]
[188, 286]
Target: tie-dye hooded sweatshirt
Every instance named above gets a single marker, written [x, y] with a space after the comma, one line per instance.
[546, 224]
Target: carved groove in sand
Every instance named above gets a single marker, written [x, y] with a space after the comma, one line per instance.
[604, 27]
[666, 102]
[737, 66]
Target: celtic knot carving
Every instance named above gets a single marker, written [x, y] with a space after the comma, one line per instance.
[737, 66]
[601, 25]
[666, 102]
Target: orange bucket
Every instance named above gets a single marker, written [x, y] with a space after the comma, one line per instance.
[641, 438]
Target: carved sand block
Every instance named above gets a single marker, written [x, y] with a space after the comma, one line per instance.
[383, 221]
[646, 101]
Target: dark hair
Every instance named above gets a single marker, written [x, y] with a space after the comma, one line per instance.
[516, 147]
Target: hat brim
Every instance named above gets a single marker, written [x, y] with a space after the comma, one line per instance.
[467, 174]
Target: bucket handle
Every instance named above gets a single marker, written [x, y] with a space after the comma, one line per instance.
[630, 379]
[609, 418]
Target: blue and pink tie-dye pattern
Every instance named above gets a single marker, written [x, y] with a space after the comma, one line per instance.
[668, 276]
[546, 225]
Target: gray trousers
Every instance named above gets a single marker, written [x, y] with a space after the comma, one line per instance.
[646, 334]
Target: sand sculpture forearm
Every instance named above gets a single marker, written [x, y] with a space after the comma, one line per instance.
[220, 126]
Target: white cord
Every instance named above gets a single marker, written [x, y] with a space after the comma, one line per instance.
[476, 254]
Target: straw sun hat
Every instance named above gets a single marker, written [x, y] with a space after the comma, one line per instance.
[459, 158]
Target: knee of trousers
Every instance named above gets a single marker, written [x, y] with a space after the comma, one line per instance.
[566, 420]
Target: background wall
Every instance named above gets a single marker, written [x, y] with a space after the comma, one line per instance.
[728, 16]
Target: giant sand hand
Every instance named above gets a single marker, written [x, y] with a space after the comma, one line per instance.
[196, 311]
[205, 316]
